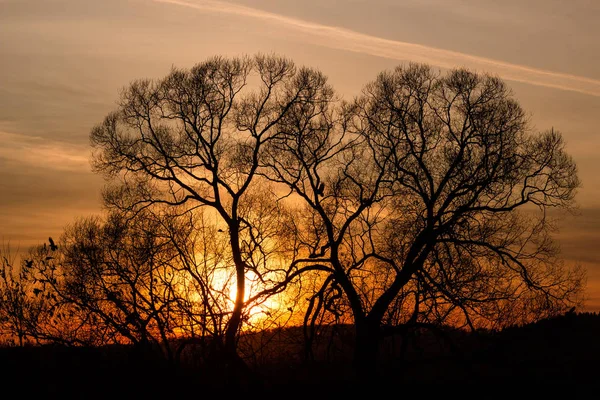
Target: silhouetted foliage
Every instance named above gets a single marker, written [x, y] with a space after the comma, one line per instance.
[20, 302]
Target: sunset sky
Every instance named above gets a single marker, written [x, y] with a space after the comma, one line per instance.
[64, 61]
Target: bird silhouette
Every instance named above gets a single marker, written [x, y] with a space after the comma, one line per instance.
[53, 246]
[320, 189]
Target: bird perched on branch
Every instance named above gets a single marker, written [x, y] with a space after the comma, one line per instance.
[320, 189]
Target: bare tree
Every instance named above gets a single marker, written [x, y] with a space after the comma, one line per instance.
[195, 138]
[426, 201]
[109, 282]
[21, 307]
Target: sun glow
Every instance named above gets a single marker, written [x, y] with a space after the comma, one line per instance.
[257, 312]
[219, 295]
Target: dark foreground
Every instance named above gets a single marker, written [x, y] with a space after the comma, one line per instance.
[550, 357]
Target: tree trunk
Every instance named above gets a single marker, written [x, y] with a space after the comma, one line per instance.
[238, 306]
[236, 315]
[237, 368]
[366, 349]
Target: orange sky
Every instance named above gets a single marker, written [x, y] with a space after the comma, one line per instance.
[63, 62]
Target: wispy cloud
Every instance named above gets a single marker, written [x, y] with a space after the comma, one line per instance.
[43, 153]
[345, 39]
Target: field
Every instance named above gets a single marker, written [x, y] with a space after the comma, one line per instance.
[563, 351]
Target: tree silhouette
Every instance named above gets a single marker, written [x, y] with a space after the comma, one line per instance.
[19, 310]
[425, 201]
[194, 139]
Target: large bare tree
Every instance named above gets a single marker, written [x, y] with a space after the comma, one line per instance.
[194, 139]
[426, 201]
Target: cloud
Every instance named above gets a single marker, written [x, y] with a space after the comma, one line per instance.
[345, 39]
[42, 152]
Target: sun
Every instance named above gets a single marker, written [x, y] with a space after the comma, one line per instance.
[270, 308]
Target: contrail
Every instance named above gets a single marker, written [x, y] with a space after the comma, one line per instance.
[345, 39]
